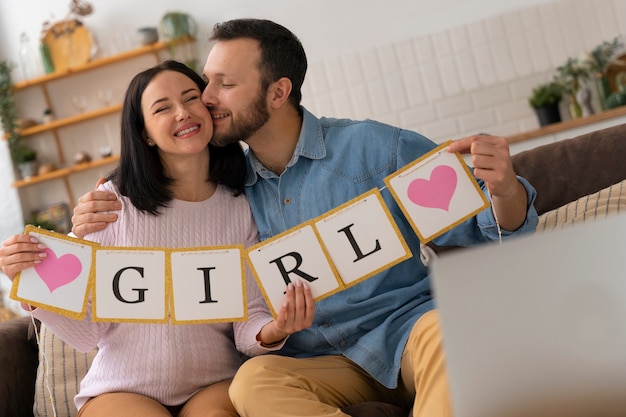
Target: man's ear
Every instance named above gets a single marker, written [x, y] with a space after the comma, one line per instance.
[278, 92]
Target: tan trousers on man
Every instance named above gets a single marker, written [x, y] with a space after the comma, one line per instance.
[279, 386]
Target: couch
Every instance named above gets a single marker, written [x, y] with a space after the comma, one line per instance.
[577, 180]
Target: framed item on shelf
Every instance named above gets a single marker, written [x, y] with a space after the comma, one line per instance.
[56, 216]
[614, 69]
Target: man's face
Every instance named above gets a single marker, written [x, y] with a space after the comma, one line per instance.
[233, 93]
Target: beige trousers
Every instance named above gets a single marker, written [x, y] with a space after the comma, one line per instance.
[211, 401]
[281, 386]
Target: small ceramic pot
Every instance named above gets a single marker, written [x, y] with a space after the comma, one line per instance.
[148, 35]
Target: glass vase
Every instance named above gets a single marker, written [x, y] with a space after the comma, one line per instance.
[604, 90]
[575, 111]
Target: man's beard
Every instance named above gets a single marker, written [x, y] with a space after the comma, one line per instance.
[252, 119]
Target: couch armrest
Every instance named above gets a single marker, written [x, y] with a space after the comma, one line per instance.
[566, 170]
[18, 365]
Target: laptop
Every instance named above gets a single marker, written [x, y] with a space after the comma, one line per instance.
[536, 326]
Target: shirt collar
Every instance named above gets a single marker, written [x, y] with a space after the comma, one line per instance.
[310, 145]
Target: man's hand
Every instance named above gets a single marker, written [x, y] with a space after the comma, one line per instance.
[92, 213]
[491, 160]
[295, 314]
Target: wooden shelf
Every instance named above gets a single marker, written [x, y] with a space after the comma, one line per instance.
[569, 124]
[98, 63]
[64, 172]
[67, 121]
[56, 124]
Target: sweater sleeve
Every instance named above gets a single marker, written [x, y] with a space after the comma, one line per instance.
[258, 312]
[83, 335]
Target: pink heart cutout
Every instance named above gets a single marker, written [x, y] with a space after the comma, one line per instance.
[57, 272]
[436, 192]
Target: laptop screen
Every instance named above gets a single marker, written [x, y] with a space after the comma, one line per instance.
[537, 325]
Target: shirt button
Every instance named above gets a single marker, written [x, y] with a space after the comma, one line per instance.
[325, 325]
[342, 343]
[287, 200]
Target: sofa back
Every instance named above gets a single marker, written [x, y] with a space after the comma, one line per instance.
[566, 170]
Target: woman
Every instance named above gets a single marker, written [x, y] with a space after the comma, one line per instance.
[177, 190]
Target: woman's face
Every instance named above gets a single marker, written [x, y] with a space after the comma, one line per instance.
[176, 120]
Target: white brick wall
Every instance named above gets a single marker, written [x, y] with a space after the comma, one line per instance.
[11, 212]
[469, 79]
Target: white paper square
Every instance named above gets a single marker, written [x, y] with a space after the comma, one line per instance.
[141, 273]
[61, 280]
[208, 285]
[436, 193]
[362, 238]
[297, 249]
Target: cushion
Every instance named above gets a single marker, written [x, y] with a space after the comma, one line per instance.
[566, 170]
[18, 365]
[608, 201]
[61, 368]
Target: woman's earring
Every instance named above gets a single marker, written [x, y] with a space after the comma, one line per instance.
[149, 142]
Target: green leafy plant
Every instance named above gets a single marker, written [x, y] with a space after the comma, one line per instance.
[599, 58]
[43, 224]
[9, 117]
[23, 153]
[571, 74]
[546, 94]
[618, 98]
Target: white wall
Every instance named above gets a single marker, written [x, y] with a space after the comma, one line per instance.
[10, 211]
[327, 28]
[473, 77]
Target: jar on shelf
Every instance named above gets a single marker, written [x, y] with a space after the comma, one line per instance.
[30, 65]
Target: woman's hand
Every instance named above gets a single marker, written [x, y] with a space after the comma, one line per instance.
[295, 314]
[19, 252]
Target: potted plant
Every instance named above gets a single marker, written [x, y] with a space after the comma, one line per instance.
[180, 26]
[571, 76]
[598, 60]
[43, 224]
[23, 156]
[25, 159]
[618, 98]
[545, 100]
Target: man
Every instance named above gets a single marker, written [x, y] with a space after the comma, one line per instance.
[378, 340]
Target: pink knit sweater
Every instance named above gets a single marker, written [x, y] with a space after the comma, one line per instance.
[168, 362]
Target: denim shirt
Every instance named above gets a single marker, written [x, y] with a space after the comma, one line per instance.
[335, 161]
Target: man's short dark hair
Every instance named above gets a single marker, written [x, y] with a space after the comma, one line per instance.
[282, 53]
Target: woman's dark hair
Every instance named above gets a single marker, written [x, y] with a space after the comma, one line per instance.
[282, 53]
[140, 174]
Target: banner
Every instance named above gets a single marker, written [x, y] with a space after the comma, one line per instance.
[197, 285]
